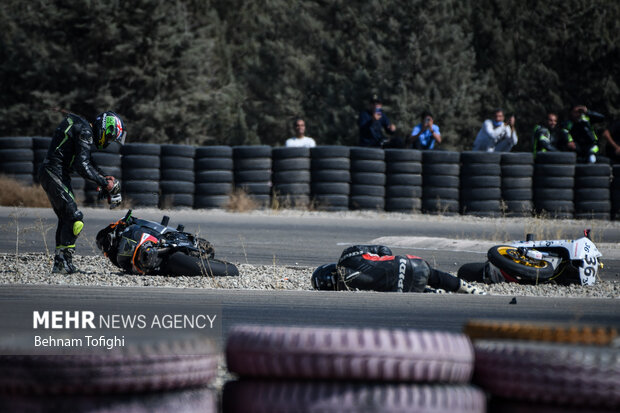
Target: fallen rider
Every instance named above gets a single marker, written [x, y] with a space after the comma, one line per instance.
[375, 268]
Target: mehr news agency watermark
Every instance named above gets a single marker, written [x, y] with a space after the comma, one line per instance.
[88, 320]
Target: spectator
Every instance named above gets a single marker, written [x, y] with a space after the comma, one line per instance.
[547, 137]
[612, 135]
[425, 134]
[300, 140]
[496, 135]
[579, 130]
[372, 122]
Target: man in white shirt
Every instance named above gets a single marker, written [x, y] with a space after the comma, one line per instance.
[300, 140]
[496, 135]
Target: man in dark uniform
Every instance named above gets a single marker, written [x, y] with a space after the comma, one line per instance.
[374, 268]
[548, 139]
[372, 122]
[579, 130]
[68, 151]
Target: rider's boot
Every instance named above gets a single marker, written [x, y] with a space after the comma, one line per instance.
[466, 288]
[63, 261]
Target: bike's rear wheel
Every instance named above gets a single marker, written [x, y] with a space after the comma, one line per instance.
[525, 269]
[181, 264]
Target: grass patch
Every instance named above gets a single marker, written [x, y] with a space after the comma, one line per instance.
[15, 193]
[240, 201]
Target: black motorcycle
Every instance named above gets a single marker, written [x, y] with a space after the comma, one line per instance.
[139, 246]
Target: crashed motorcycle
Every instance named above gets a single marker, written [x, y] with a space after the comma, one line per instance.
[565, 262]
[139, 246]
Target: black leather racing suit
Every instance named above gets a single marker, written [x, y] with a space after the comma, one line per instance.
[373, 267]
[69, 150]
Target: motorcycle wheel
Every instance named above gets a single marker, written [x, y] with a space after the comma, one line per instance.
[526, 270]
[181, 264]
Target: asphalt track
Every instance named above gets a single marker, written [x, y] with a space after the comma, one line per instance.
[310, 240]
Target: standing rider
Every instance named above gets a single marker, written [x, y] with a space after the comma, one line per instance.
[70, 150]
[375, 268]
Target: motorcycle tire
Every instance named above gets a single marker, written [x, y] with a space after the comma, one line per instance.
[179, 264]
[526, 270]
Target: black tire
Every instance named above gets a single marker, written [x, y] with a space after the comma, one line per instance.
[244, 164]
[330, 152]
[336, 188]
[142, 199]
[519, 208]
[552, 194]
[371, 154]
[25, 179]
[177, 162]
[554, 207]
[39, 142]
[366, 202]
[592, 194]
[211, 201]
[16, 155]
[592, 182]
[403, 204]
[259, 175]
[557, 182]
[517, 183]
[331, 200]
[517, 171]
[403, 179]
[441, 206]
[9, 143]
[254, 188]
[183, 151]
[251, 151]
[77, 183]
[554, 170]
[140, 161]
[17, 168]
[402, 155]
[368, 178]
[562, 158]
[140, 174]
[440, 157]
[214, 176]
[477, 157]
[480, 194]
[213, 152]
[403, 191]
[583, 170]
[113, 147]
[106, 159]
[482, 181]
[444, 181]
[517, 194]
[291, 164]
[368, 190]
[367, 166]
[210, 164]
[143, 149]
[214, 188]
[603, 216]
[292, 189]
[436, 169]
[477, 169]
[403, 168]
[331, 175]
[330, 163]
[176, 187]
[517, 158]
[291, 177]
[593, 206]
[140, 187]
[170, 200]
[439, 192]
[286, 153]
[180, 264]
[177, 175]
[488, 205]
[523, 269]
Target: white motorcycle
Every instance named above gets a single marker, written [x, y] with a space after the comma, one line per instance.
[536, 262]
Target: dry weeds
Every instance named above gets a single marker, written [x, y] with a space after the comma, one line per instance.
[15, 193]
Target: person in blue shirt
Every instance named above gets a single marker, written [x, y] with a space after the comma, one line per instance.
[372, 122]
[426, 134]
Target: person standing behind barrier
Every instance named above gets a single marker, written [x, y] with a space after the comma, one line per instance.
[612, 135]
[425, 134]
[300, 140]
[372, 122]
[547, 137]
[496, 135]
[578, 129]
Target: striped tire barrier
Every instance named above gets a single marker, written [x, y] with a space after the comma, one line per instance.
[554, 176]
[480, 184]
[367, 179]
[291, 176]
[440, 182]
[403, 190]
[330, 177]
[252, 172]
[141, 168]
[592, 191]
[349, 354]
[516, 183]
[176, 183]
[213, 176]
[17, 159]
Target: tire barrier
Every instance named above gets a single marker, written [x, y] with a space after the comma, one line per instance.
[540, 372]
[213, 176]
[367, 179]
[109, 161]
[592, 191]
[40, 145]
[330, 172]
[177, 176]
[141, 173]
[615, 193]
[403, 189]
[17, 159]
[480, 184]
[440, 182]
[517, 171]
[554, 180]
[291, 176]
[252, 172]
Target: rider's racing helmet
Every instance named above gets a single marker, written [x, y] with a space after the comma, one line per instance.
[108, 128]
[324, 277]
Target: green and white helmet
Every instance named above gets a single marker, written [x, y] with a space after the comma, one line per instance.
[108, 128]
